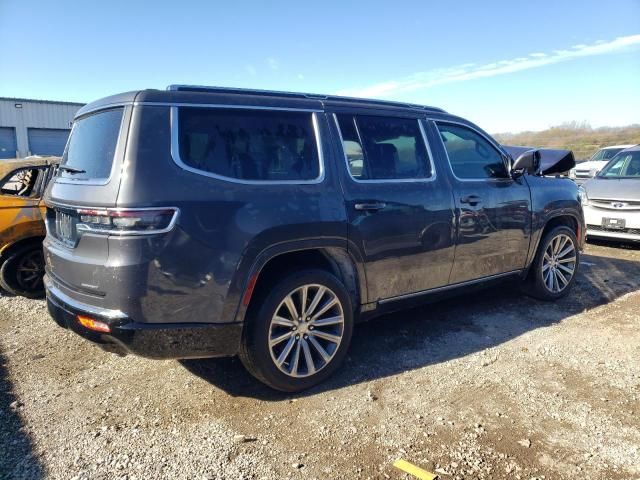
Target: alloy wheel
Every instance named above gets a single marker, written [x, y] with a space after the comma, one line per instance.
[306, 330]
[559, 263]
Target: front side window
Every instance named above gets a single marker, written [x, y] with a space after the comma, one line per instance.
[471, 155]
[623, 165]
[21, 183]
[92, 146]
[249, 144]
[383, 148]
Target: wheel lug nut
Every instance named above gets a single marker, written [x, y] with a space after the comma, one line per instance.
[311, 327]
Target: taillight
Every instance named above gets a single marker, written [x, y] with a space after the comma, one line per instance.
[127, 221]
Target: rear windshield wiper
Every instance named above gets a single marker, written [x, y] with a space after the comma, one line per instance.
[71, 170]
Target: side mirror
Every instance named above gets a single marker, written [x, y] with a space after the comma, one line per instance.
[528, 162]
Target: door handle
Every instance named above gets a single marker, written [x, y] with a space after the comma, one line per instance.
[472, 200]
[370, 206]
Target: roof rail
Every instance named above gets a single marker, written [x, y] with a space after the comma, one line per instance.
[277, 93]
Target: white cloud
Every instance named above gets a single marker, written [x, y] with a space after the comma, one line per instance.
[273, 63]
[251, 70]
[422, 80]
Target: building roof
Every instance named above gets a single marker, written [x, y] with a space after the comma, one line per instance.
[33, 100]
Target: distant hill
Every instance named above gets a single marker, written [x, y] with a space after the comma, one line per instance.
[576, 136]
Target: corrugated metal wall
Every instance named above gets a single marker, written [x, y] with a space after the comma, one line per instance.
[34, 114]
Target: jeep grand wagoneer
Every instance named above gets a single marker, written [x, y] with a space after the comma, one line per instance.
[201, 222]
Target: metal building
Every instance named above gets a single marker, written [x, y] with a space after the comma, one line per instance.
[34, 127]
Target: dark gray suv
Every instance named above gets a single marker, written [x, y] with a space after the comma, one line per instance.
[202, 222]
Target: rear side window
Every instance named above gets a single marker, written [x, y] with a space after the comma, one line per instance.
[92, 146]
[255, 145]
[384, 148]
[471, 155]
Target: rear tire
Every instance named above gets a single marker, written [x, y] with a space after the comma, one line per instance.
[299, 332]
[555, 266]
[21, 273]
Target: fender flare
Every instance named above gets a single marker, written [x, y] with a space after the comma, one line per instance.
[537, 233]
[247, 277]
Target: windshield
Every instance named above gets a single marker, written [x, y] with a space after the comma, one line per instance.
[623, 165]
[92, 146]
[605, 153]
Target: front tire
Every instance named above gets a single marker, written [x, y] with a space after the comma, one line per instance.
[21, 274]
[299, 333]
[555, 265]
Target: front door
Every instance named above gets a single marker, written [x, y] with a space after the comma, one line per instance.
[493, 210]
[400, 210]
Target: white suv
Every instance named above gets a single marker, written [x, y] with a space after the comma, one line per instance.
[583, 171]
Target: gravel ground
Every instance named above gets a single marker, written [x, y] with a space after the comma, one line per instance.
[492, 385]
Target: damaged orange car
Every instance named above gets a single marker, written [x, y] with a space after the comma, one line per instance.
[22, 183]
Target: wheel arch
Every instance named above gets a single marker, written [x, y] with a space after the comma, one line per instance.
[567, 218]
[273, 263]
[9, 248]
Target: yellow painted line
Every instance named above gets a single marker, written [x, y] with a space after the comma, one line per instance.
[411, 469]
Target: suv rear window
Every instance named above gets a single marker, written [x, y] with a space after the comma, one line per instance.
[92, 146]
[249, 144]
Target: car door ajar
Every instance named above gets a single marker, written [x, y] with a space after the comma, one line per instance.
[400, 213]
[493, 210]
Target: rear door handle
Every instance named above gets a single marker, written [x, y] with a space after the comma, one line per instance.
[370, 206]
[472, 200]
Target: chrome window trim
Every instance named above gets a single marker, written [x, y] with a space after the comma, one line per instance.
[175, 147]
[488, 139]
[109, 106]
[390, 180]
[94, 181]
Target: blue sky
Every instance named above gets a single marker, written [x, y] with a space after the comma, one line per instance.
[508, 66]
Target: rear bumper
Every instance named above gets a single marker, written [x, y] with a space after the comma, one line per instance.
[150, 340]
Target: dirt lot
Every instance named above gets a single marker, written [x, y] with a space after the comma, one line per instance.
[495, 385]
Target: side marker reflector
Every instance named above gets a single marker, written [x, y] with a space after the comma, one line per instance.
[94, 325]
[411, 469]
[251, 284]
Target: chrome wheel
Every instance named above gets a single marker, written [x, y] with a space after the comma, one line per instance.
[559, 263]
[306, 330]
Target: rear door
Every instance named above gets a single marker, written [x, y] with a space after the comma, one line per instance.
[493, 210]
[400, 210]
